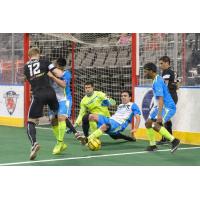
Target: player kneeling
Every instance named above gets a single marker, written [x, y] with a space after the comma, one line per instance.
[94, 144]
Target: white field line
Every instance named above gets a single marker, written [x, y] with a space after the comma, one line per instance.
[89, 157]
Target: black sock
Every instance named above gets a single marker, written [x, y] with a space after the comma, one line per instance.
[121, 136]
[85, 125]
[168, 126]
[70, 126]
[31, 131]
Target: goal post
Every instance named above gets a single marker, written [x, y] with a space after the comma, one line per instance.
[26, 84]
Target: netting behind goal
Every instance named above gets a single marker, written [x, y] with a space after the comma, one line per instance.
[104, 59]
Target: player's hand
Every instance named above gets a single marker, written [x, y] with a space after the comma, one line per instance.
[133, 131]
[159, 119]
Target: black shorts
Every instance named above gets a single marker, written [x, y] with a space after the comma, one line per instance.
[41, 97]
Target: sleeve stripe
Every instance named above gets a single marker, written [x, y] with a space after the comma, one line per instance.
[51, 67]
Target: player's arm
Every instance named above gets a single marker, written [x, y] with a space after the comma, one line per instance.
[60, 82]
[160, 107]
[82, 112]
[136, 114]
[57, 72]
[136, 125]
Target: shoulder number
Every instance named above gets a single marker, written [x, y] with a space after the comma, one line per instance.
[34, 68]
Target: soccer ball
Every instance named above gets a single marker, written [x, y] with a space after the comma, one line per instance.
[94, 144]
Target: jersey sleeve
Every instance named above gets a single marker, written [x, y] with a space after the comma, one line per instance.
[158, 88]
[168, 75]
[51, 66]
[135, 109]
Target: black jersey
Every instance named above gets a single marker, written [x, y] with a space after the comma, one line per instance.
[168, 74]
[36, 71]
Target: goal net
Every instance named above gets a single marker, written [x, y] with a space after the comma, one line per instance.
[104, 58]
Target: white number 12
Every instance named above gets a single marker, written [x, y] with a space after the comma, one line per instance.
[34, 68]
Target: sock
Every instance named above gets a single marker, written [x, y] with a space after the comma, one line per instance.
[168, 126]
[70, 126]
[163, 131]
[93, 126]
[96, 134]
[55, 131]
[85, 125]
[151, 135]
[61, 130]
[31, 131]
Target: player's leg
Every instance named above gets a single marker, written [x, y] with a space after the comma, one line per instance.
[163, 131]
[86, 124]
[35, 111]
[151, 135]
[102, 124]
[119, 135]
[61, 128]
[150, 131]
[68, 112]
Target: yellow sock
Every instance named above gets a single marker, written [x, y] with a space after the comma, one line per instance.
[55, 131]
[163, 131]
[61, 130]
[93, 126]
[151, 136]
[96, 134]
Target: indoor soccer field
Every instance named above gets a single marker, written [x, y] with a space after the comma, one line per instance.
[15, 149]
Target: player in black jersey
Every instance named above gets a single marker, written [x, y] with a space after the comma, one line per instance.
[36, 72]
[169, 78]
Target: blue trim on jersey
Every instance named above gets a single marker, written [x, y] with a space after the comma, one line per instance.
[161, 90]
[67, 78]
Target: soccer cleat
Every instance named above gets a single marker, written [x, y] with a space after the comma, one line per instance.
[175, 144]
[152, 148]
[79, 136]
[163, 141]
[34, 150]
[60, 147]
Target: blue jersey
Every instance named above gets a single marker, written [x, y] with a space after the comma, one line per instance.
[161, 90]
[67, 78]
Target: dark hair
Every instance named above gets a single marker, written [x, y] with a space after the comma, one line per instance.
[61, 62]
[89, 83]
[127, 91]
[150, 66]
[165, 59]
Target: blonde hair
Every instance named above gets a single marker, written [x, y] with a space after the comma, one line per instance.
[33, 51]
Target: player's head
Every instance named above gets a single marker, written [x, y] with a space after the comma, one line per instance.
[126, 96]
[61, 63]
[89, 88]
[150, 70]
[34, 52]
[164, 62]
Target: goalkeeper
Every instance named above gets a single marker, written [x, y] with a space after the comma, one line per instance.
[118, 122]
[94, 102]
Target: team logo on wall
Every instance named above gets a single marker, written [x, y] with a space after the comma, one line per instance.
[147, 104]
[11, 101]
